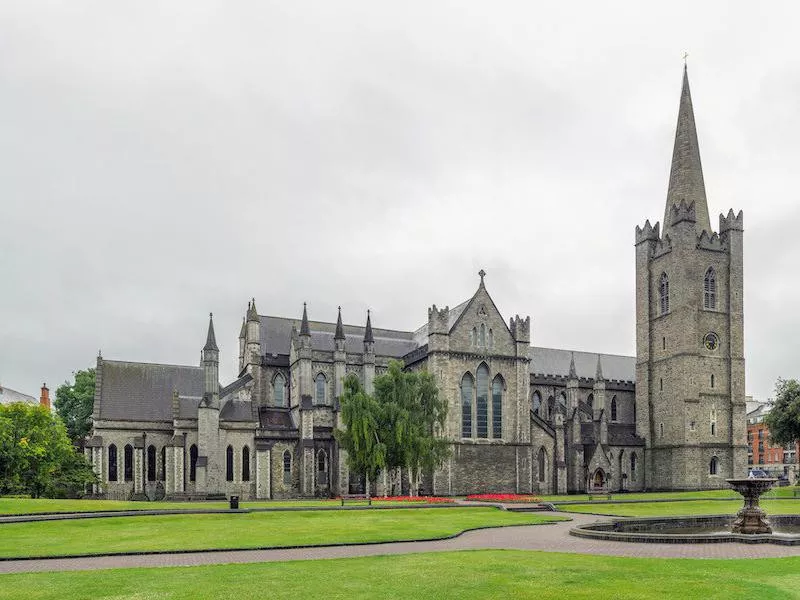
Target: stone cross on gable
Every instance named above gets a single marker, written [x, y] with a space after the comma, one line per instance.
[482, 274]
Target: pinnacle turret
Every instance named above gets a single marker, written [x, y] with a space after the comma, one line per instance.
[211, 340]
[339, 327]
[368, 330]
[243, 331]
[572, 372]
[598, 375]
[686, 173]
[252, 313]
[304, 328]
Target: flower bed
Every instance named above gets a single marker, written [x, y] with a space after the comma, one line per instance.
[503, 498]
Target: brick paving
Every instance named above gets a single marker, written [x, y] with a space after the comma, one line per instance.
[548, 538]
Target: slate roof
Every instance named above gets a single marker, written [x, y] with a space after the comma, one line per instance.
[236, 410]
[552, 361]
[276, 335]
[133, 391]
[8, 396]
[619, 434]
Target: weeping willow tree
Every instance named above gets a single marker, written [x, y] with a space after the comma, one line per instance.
[412, 417]
[361, 437]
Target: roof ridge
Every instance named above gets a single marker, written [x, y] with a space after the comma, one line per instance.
[139, 362]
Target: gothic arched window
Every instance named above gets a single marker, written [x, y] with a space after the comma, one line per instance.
[482, 403]
[541, 461]
[491, 339]
[193, 462]
[536, 402]
[151, 463]
[712, 466]
[474, 337]
[246, 463]
[278, 390]
[112, 463]
[128, 466]
[562, 403]
[590, 400]
[322, 461]
[710, 289]
[497, 407]
[466, 405]
[229, 463]
[320, 388]
[663, 293]
[482, 342]
[614, 408]
[287, 467]
[162, 473]
[633, 465]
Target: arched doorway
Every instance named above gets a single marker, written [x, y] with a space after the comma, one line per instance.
[599, 479]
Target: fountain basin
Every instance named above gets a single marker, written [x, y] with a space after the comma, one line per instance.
[705, 529]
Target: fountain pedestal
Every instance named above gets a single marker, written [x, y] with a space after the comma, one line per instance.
[751, 519]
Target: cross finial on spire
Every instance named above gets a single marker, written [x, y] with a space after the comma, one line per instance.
[482, 274]
[685, 56]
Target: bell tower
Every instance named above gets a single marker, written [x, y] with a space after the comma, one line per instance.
[690, 394]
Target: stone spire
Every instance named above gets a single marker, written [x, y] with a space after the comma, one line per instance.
[572, 372]
[339, 327]
[686, 174]
[598, 375]
[211, 340]
[243, 331]
[304, 329]
[368, 330]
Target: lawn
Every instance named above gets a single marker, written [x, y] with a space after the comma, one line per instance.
[457, 575]
[687, 507]
[246, 530]
[19, 506]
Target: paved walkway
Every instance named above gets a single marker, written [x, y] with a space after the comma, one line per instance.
[549, 538]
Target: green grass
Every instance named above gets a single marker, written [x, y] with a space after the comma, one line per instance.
[245, 530]
[447, 575]
[687, 507]
[17, 506]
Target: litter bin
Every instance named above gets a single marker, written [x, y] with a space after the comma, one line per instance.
[234, 502]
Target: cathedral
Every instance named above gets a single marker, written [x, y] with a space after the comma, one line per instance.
[521, 418]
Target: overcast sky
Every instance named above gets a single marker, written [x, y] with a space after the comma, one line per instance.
[160, 160]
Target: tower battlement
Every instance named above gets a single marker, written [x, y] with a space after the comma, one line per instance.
[682, 212]
[710, 242]
[648, 232]
[520, 328]
[731, 221]
[438, 319]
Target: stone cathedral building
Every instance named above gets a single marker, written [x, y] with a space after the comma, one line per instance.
[521, 418]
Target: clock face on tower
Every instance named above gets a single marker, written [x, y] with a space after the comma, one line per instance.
[711, 341]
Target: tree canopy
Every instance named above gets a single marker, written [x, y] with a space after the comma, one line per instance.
[783, 420]
[397, 428]
[74, 404]
[36, 455]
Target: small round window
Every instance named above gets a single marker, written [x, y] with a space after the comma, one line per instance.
[711, 341]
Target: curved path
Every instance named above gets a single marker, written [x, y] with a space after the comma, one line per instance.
[549, 538]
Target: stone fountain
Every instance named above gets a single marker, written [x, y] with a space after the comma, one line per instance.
[751, 519]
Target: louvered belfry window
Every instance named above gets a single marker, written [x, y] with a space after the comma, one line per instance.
[710, 289]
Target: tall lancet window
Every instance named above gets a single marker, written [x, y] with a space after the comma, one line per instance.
[497, 407]
[710, 289]
[278, 390]
[320, 388]
[482, 341]
[466, 405]
[663, 292]
[482, 404]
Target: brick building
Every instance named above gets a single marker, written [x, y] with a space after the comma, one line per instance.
[778, 461]
[521, 418]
